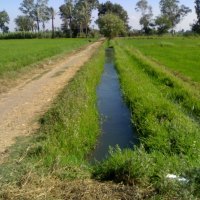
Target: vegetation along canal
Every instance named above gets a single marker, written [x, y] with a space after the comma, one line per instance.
[116, 126]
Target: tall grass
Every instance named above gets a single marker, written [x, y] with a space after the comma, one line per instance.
[24, 35]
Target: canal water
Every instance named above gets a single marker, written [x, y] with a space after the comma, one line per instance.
[116, 126]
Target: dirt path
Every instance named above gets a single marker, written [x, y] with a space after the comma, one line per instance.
[21, 107]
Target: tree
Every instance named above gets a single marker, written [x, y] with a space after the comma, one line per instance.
[110, 25]
[116, 9]
[85, 7]
[37, 11]
[76, 15]
[41, 13]
[174, 12]
[196, 25]
[45, 14]
[66, 12]
[24, 23]
[163, 24]
[52, 13]
[4, 19]
[27, 8]
[146, 15]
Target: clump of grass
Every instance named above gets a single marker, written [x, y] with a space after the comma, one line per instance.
[166, 44]
[149, 171]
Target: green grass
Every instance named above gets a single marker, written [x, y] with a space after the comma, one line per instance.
[169, 136]
[179, 54]
[67, 135]
[18, 54]
[172, 88]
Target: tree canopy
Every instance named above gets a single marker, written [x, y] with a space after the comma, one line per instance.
[172, 11]
[76, 15]
[114, 8]
[37, 10]
[111, 25]
[146, 14]
[4, 19]
[24, 23]
[196, 25]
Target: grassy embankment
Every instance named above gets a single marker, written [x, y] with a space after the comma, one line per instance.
[166, 113]
[67, 135]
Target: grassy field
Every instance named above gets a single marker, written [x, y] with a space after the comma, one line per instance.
[178, 54]
[18, 54]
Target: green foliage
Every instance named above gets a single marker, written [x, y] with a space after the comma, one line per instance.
[116, 9]
[76, 16]
[110, 25]
[163, 24]
[37, 11]
[146, 12]
[24, 23]
[196, 25]
[31, 35]
[4, 19]
[171, 10]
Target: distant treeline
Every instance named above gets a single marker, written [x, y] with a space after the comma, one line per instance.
[40, 35]
[113, 19]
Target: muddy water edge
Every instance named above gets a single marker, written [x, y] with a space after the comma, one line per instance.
[116, 126]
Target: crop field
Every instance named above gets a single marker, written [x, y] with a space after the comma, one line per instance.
[179, 54]
[19, 54]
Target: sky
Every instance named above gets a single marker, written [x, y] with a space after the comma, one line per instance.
[12, 7]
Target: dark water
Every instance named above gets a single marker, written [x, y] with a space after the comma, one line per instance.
[116, 124]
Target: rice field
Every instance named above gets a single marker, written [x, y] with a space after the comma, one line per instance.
[181, 55]
[16, 55]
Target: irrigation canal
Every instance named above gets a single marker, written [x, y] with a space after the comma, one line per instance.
[116, 126]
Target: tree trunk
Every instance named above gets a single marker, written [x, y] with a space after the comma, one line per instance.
[70, 24]
[43, 26]
[86, 31]
[38, 25]
[53, 32]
